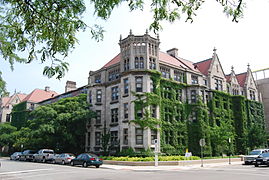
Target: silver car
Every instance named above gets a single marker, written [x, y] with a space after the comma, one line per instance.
[64, 158]
[15, 156]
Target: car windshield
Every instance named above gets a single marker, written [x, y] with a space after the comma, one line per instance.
[255, 153]
[264, 155]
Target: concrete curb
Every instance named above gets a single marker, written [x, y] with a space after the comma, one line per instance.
[170, 163]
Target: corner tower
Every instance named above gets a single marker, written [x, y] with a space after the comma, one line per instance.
[139, 52]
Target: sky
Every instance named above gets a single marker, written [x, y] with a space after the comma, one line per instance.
[237, 44]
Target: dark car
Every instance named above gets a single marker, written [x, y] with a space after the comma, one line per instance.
[27, 155]
[87, 159]
[262, 159]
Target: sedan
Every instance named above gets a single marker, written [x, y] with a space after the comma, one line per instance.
[87, 159]
[15, 156]
[262, 159]
[64, 158]
[27, 155]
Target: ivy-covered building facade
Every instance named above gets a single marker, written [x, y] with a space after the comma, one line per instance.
[144, 94]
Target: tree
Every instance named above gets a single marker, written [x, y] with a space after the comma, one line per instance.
[3, 90]
[60, 126]
[47, 29]
[6, 134]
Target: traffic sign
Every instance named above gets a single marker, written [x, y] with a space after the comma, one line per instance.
[202, 142]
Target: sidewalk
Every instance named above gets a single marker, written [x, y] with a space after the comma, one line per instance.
[183, 166]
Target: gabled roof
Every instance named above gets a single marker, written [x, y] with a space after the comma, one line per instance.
[38, 95]
[8, 100]
[115, 60]
[203, 66]
[21, 96]
[241, 78]
[5, 101]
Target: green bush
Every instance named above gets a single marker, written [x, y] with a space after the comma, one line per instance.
[131, 153]
[160, 158]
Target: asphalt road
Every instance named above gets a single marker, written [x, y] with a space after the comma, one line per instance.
[15, 170]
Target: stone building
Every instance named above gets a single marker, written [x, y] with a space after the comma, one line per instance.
[6, 105]
[114, 88]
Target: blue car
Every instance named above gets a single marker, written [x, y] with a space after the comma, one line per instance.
[87, 159]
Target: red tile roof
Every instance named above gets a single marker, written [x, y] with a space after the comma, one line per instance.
[38, 95]
[179, 62]
[204, 66]
[115, 60]
[241, 78]
[164, 57]
[21, 96]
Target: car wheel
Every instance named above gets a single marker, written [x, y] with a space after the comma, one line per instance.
[97, 166]
[256, 165]
[53, 161]
[72, 163]
[63, 163]
[85, 164]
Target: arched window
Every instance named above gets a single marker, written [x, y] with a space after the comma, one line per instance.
[136, 63]
[141, 63]
[126, 65]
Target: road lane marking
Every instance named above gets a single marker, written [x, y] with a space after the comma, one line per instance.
[24, 171]
[31, 176]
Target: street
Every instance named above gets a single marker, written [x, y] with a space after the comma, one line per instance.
[16, 170]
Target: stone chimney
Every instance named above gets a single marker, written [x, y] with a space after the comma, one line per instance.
[70, 86]
[173, 52]
[47, 88]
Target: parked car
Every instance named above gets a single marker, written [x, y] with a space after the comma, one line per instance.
[64, 158]
[87, 159]
[249, 159]
[262, 159]
[44, 155]
[15, 156]
[27, 155]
